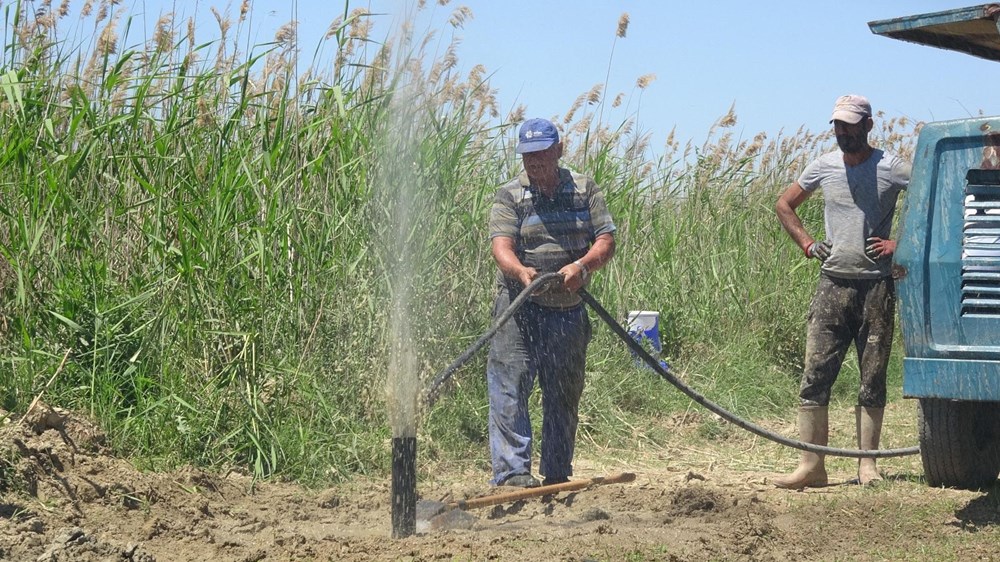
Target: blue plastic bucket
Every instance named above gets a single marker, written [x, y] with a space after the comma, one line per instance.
[644, 327]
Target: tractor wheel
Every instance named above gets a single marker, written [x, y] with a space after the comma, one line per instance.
[960, 442]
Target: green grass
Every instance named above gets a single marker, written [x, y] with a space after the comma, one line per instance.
[214, 236]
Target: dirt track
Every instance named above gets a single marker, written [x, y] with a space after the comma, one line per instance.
[705, 502]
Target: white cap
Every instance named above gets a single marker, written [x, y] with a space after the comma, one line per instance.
[851, 109]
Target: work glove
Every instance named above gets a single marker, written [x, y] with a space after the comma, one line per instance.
[819, 250]
[876, 248]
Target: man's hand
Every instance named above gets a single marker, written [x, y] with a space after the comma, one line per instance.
[526, 275]
[574, 276]
[819, 250]
[877, 248]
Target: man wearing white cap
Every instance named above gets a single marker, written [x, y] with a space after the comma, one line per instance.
[548, 219]
[855, 297]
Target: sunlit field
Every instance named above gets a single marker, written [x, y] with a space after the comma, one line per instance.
[199, 244]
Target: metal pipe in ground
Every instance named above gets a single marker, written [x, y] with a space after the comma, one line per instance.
[404, 487]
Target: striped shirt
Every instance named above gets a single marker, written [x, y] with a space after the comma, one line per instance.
[549, 233]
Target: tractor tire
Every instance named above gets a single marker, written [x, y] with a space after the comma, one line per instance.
[960, 442]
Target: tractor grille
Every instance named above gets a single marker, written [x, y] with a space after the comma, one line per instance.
[981, 244]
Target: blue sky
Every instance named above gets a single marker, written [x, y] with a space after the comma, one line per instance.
[781, 63]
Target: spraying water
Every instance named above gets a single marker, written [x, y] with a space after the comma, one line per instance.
[400, 178]
[399, 181]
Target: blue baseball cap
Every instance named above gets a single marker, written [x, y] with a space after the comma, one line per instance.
[536, 135]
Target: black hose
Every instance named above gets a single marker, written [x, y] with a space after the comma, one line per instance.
[727, 415]
[434, 389]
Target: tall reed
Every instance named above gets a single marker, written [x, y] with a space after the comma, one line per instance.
[198, 223]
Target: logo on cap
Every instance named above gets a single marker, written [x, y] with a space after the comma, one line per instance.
[536, 135]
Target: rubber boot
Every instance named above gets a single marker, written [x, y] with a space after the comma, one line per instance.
[813, 428]
[869, 423]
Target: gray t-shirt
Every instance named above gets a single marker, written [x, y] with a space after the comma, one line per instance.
[859, 202]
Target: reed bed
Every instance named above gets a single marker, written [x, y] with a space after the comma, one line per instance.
[209, 232]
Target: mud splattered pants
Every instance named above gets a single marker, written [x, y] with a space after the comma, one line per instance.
[842, 311]
[550, 345]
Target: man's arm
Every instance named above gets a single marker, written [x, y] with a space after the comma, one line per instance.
[574, 277]
[877, 248]
[600, 253]
[789, 218]
[506, 258]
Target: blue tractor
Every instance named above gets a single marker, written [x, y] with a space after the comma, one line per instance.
[948, 268]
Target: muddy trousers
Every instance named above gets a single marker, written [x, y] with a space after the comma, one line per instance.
[842, 311]
[550, 345]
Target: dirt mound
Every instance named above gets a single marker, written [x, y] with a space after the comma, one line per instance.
[64, 497]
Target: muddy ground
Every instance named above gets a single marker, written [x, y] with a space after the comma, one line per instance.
[66, 498]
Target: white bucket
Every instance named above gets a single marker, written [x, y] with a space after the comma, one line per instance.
[644, 327]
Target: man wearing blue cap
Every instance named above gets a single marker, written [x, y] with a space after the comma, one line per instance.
[855, 297]
[548, 219]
